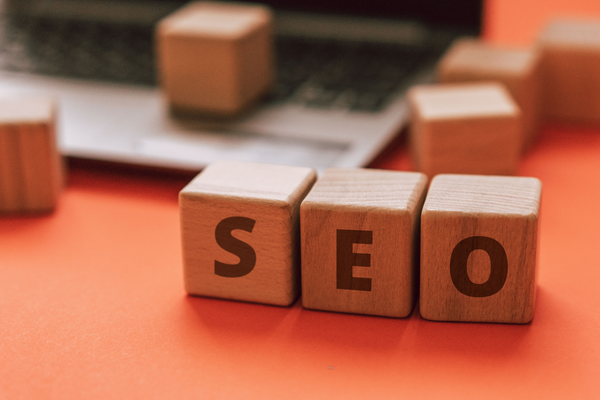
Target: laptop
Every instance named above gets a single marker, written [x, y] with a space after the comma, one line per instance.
[342, 72]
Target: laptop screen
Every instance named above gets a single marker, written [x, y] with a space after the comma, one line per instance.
[452, 13]
[463, 13]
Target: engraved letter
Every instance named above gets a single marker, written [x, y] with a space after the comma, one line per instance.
[241, 249]
[498, 260]
[346, 259]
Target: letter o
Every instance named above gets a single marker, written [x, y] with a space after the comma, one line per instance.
[458, 266]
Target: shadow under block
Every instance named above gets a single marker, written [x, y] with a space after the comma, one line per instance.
[215, 57]
[571, 70]
[479, 248]
[360, 229]
[31, 175]
[465, 128]
[240, 231]
[517, 69]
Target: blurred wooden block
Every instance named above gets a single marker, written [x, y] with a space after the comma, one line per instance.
[30, 167]
[467, 128]
[360, 229]
[240, 227]
[570, 70]
[517, 69]
[215, 57]
[478, 248]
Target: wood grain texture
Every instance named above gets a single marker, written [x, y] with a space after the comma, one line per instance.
[570, 63]
[214, 57]
[268, 195]
[466, 128]
[518, 69]
[459, 208]
[31, 170]
[362, 211]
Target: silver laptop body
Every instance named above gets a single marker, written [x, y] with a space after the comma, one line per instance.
[338, 110]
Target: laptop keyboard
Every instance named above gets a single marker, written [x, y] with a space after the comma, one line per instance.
[312, 72]
[356, 76]
[114, 53]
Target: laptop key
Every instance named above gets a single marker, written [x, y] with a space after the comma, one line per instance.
[308, 93]
[369, 102]
[345, 100]
[323, 100]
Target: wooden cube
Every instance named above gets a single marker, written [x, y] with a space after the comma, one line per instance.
[31, 175]
[517, 69]
[215, 57]
[360, 229]
[478, 248]
[570, 70]
[466, 128]
[240, 227]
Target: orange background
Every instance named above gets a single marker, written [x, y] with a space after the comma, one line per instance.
[92, 303]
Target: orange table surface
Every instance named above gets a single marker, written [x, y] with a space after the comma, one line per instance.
[92, 303]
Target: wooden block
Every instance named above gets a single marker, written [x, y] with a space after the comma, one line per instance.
[31, 174]
[240, 227]
[570, 64]
[466, 128]
[518, 69]
[478, 248]
[215, 57]
[360, 229]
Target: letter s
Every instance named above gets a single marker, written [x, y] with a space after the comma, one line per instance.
[241, 249]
